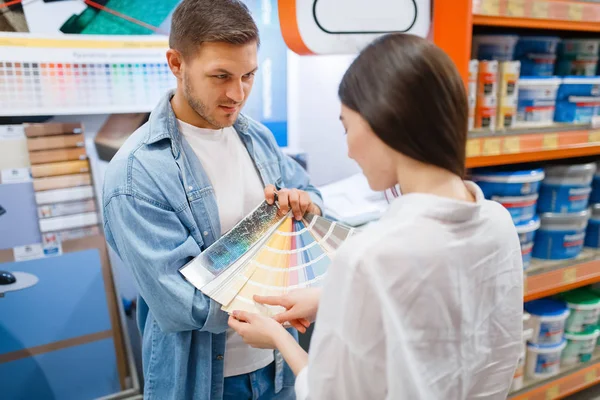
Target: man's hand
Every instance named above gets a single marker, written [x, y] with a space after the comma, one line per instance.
[301, 307]
[298, 200]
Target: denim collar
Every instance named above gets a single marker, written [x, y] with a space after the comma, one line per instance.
[163, 116]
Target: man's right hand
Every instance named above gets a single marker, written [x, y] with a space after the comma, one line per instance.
[301, 307]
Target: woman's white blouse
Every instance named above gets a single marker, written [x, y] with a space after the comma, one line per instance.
[425, 304]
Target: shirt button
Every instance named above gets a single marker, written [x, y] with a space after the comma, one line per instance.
[205, 233]
[190, 187]
[220, 357]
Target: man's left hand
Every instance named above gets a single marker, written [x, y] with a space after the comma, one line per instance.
[297, 200]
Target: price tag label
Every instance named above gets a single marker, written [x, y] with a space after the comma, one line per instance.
[550, 141]
[15, 175]
[490, 7]
[540, 9]
[473, 147]
[575, 12]
[590, 377]
[569, 276]
[491, 147]
[596, 121]
[30, 252]
[12, 132]
[512, 145]
[516, 8]
[553, 393]
[594, 136]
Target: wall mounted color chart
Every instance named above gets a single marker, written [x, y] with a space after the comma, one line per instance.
[81, 74]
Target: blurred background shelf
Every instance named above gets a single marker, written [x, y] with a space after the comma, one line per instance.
[538, 14]
[530, 145]
[546, 278]
[568, 382]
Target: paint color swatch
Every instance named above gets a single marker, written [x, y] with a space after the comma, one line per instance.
[293, 255]
[89, 74]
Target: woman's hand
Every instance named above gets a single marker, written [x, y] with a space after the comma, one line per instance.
[301, 306]
[297, 200]
[266, 333]
[256, 330]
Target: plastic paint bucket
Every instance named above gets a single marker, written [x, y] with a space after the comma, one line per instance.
[592, 233]
[595, 196]
[536, 44]
[494, 47]
[538, 64]
[548, 319]
[543, 360]
[577, 66]
[584, 306]
[561, 236]
[521, 208]
[566, 188]
[574, 47]
[537, 100]
[578, 100]
[495, 182]
[526, 231]
[580, 346]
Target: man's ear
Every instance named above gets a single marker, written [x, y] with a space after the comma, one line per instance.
[176, 63]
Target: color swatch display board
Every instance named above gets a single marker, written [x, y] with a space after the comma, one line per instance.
[60, 329]
[62, 181]
[81, 74]
[266, 254]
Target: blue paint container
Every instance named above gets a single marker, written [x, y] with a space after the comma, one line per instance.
[536, 44]
[566, 188]
[521, 208]
[578, 100]
[592, 233]
[595, 196]
[494, 47]
[508, 183]
[537, 65]
[561, 236]
[526, 231]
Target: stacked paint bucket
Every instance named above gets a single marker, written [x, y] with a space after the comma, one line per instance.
[581, 327]
[494, 82]
[517, 190]
[592, 235]
[538, 85]
[563, 211]
[565, 331]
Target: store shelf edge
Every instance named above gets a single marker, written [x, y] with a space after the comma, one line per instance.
[534, 23]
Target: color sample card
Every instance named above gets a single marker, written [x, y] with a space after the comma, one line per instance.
[289, 255]
[19, 222]
[236, 243]
[89, 74]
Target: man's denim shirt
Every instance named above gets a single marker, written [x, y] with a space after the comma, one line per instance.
[160, 211]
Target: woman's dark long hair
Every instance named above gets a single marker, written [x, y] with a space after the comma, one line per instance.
[413, 97]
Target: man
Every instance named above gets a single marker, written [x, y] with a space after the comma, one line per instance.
[182, 180]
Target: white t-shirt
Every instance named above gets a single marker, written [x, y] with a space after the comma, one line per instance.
[426, 304]
[238, 189]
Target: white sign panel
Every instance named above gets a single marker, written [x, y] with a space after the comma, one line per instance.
[346, 26]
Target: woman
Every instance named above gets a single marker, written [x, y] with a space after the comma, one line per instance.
[427, 302]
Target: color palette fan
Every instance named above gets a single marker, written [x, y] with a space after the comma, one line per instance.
[266, 254]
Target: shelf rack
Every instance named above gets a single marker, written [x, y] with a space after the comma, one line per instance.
[529, 145]
[570, 381]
